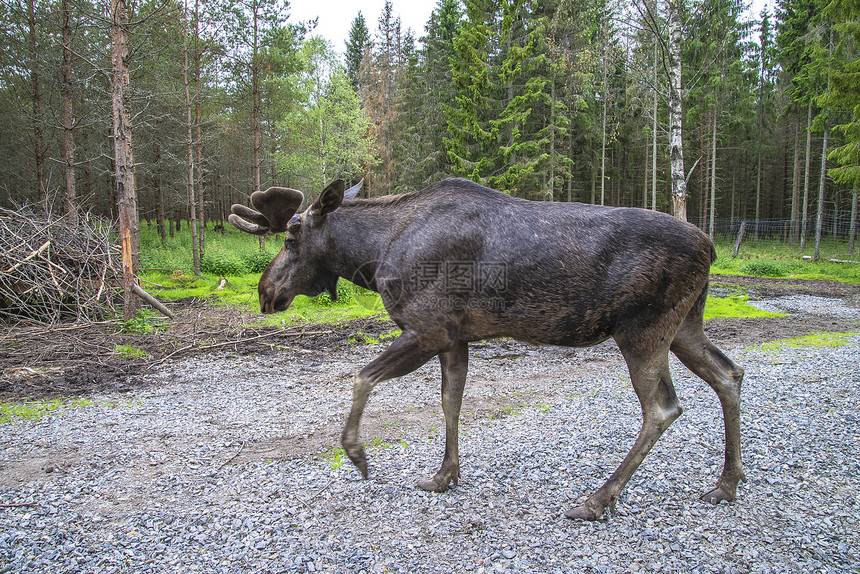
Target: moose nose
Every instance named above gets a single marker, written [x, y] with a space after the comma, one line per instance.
[266, 306]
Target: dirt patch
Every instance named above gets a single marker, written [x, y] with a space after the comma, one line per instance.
[761, 287]
[39, 363]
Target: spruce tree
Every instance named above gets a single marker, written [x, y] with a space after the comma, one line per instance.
[357, 44]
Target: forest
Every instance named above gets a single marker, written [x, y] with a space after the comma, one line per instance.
[553, 100]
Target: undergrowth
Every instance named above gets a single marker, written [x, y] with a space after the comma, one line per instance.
[780, 260]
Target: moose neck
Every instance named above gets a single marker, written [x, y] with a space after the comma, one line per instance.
[360, 231]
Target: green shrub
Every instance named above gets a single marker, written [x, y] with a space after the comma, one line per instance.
[344, 295]
[762, 268]
[256, 261]
[222, 265]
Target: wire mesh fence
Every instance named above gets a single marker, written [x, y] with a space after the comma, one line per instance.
[835, 231]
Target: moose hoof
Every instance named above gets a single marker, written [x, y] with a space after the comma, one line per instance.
[584, 512]
[725, 490]
[435, 484]
[718, 495]
[359, 459]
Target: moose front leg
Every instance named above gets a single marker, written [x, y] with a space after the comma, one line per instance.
[455, 364]
[403, 356]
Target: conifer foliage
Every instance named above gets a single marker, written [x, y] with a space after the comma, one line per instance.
[550, 100]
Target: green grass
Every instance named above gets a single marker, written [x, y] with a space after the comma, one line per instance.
[722, 307]
[817, 340]
[780, 260]
[129, 352]
[335, 457]
[371, 340]
[35, 410]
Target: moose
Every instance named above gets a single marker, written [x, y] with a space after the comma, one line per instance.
[458, 262]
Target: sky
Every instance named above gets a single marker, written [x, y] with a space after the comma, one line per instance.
[336, 16]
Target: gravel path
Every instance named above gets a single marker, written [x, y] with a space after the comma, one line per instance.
[227, 464]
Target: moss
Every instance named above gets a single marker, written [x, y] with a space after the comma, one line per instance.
[722, 307]
[35, 410]
[817, 340]
[129, 352]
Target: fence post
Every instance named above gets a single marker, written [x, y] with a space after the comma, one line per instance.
[740, 238]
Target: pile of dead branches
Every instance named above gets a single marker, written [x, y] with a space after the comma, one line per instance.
[53, 272]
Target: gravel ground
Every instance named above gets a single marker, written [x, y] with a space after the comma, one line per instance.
[228, 464]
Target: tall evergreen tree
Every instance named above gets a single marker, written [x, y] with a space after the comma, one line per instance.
[431, 89]
[472, 141]
[357, 44]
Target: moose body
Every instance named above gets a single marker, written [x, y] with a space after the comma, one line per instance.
[458, 262]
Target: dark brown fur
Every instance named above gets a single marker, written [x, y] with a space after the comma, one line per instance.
[458, 262]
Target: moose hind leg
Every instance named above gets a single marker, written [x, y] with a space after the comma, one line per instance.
[698, 354]
[660, 407]
[454, 367]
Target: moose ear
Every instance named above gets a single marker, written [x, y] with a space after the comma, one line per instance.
[329, 200]
[353, 191]
[272, 210]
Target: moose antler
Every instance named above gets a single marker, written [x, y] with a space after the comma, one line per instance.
[272, 211]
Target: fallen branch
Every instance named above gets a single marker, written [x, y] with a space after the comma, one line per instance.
[236, 342]
[740, 238]
[151, 300]
[33, 254]
[832, 260]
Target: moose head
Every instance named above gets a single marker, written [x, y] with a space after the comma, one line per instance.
[296, 269]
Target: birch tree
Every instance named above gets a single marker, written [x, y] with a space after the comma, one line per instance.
[676, 113]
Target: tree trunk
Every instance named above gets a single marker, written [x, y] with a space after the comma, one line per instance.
[676, 142]
[758, 189]
[822, 184]
[822, 180]
[603, 145]
[255, 112]
[795, 187]
[645, 180]
[806, 176]
[70, 203]
[159, 196]
[713, 177]
[192, 206]
[552, 140]
[654, 139]
[852, 230]
[38, 144]
[129, 228]
[201, 213]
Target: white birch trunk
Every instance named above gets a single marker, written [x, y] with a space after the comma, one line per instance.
[676, 142]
